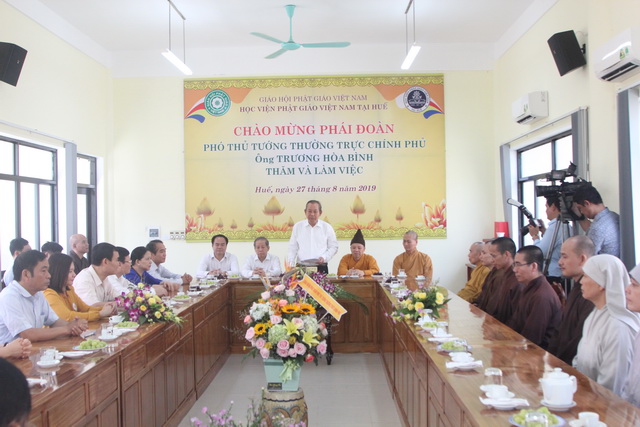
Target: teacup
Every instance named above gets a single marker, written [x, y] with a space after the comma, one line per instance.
[499, 392]
[589, 419]
[48, 354]
[421, 277]
[116, 319]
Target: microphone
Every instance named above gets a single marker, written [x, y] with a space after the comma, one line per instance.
[515, 203]
[524, 210]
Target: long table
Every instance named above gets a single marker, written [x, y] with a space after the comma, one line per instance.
[154, 375]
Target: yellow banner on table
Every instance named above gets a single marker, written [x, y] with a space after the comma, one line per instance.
[370, 148]
[332, 306]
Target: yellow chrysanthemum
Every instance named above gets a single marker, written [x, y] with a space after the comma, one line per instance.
[162, 308]
[411, 306]
[419, 305]
[158, 314]
[439, 298]
[143, 307]
[407, 316]
[140, 285]
[422, 295]
[307, 308]
[147, 294]
[139, 299]
[260, 328]
[290, 309]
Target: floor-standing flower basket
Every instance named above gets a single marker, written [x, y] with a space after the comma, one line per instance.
[272, 369]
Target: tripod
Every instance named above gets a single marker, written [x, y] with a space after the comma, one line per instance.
[562, 222]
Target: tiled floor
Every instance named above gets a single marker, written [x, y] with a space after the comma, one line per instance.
[352, 392]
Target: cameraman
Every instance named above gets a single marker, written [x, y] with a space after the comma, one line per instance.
[553, 212]
[600, 224]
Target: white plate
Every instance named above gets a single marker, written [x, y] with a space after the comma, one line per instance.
[578, 423]
[195, 293]
[48, 363]
[509, 396]
[561, 422]
[75, 354]
[466, 368]
[108, 337]
[181, 300]
[557, 408]
[36, 381]
[507, 406]
[439, 348]
[91, 350]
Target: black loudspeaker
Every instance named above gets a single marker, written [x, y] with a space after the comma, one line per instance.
[566, 51]
[11, 60]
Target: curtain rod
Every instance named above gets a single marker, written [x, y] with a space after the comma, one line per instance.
[37, 132]
[564, 116]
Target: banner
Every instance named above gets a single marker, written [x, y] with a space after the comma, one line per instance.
[327, 302]
[371, 149]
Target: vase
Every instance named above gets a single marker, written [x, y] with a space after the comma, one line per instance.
[272, 370]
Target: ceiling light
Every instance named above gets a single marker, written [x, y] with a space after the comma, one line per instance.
[413, 52]
[180, 64]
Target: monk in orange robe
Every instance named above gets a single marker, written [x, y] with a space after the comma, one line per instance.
[473, 287]
[413, 262]
[358, 263]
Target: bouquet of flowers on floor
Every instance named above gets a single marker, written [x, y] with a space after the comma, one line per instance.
[282, 325]
[420, 302]
[142, 306]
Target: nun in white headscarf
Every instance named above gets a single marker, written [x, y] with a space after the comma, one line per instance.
[605, 351]
[631, 390]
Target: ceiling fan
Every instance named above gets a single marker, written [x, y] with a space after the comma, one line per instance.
[292, 45]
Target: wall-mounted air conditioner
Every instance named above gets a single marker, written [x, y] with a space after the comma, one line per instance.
[531, 107]
[619, 58]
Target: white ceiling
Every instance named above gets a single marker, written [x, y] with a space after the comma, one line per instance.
[128, 35]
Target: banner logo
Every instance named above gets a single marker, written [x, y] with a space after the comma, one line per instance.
[217, 103]
[416, 99]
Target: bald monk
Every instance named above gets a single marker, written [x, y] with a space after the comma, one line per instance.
[473, 286]
[358, 263]
[501, 290]
[78, 247]
[412, 261]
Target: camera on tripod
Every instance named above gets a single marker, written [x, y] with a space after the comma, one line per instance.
[561, 190]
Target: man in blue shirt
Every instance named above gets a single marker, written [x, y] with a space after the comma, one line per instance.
[23, 308]
[602, 225]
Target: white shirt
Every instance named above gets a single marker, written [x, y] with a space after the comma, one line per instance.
[309, 242]
[91, 289]
[271, 265]
[19, 311]
[120, 284]
[605, 351]
[8, 275]
[209, 262]
[161, 273]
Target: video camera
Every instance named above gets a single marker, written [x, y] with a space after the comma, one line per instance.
[564, 191]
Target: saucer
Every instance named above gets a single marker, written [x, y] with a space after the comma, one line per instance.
[556, 407]
[578, 423]
[48, 363]
[510, 395]
[507, 405]
[75, 354]
[108, 337]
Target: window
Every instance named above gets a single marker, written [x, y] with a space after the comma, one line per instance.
[86, 198]
[534, 163]
[28, 190]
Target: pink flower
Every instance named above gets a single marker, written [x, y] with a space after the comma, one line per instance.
[283, 302]
[290, 292]
[247, 319]
[204, 410]
[300, 348]
[264, 352]
[265, 295]
[279, 288]
[260, 342]
[275, 319]
[298, 322]
[282, 352]
[322, 347]
[309, 358]
[250, 334]
[283, 344]
[292, 352]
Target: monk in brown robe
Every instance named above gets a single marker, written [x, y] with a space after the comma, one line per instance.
[501, 291]
[357, 262]
[413, 262]
[575, 251]
[473, 287]
[538, 312]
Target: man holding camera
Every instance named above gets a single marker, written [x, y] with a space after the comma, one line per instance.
[601, 225]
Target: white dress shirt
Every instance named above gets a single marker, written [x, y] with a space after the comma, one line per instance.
[161, 273]
[271, 265]
[309, 242]
[91, 289]
[120, 284]
[19, 311]
[228, 263]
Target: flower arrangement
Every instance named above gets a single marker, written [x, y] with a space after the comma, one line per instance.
[256, 417]
[142, 306]
[416, 303]
[283, 325]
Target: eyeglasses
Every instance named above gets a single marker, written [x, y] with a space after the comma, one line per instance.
[517, 264]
